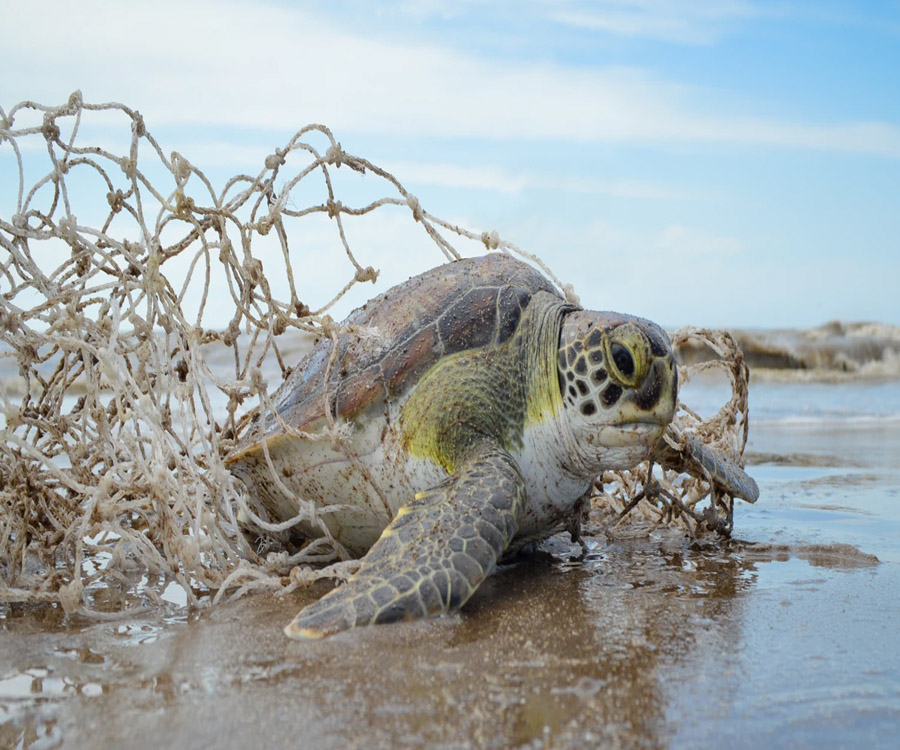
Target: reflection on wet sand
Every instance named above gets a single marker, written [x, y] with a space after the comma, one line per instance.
[560, 654]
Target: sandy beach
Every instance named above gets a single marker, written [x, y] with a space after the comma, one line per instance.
[785, 636]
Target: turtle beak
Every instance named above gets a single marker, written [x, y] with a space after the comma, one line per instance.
[658, 393]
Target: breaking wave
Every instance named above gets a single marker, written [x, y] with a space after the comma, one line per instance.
[834, 352]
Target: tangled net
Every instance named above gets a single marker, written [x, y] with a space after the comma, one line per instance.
[116, 411]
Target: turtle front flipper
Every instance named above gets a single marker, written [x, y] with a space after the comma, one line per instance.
[715, 465]
[727, 475]
[435, 552]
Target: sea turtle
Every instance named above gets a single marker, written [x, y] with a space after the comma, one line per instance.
[480, 406]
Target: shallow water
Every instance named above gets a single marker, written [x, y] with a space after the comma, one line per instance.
[787, 637]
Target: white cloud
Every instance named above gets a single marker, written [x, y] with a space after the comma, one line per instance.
[662, 244]
[682, 21]
[693, 244]
[670, 273]
[497, 179]
[265, 65]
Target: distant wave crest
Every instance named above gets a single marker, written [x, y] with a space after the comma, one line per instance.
[836, 351]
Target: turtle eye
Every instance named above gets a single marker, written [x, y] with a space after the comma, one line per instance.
[623, 360]
[628, 356]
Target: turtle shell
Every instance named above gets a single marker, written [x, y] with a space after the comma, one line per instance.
[464, 304]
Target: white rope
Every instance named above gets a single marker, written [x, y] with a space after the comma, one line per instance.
[114, 422]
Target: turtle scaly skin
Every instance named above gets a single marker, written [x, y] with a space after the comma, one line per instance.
[435, 552]
[477, 425]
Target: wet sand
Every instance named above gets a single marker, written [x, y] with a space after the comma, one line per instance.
[788, 636]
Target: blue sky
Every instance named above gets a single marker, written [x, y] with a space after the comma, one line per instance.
[734, 163]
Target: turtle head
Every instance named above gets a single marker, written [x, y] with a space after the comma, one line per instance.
[619, 385]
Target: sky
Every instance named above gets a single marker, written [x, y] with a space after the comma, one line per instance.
[734, 163]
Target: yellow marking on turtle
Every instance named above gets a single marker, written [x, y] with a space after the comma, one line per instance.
[497, 391]
[308, 633]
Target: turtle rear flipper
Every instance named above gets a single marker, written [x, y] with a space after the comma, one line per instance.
[433, 555]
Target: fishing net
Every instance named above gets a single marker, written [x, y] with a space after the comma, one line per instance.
[138, 334]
